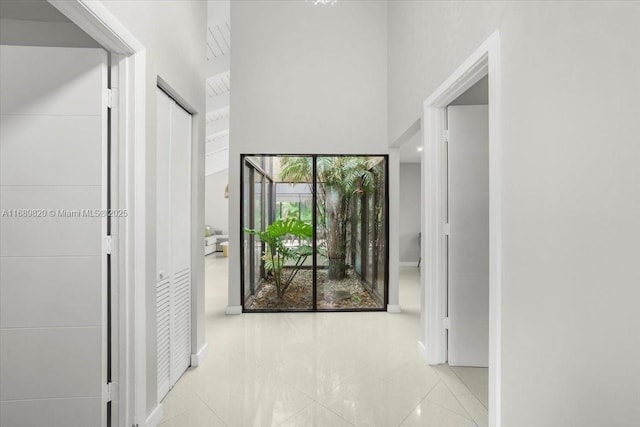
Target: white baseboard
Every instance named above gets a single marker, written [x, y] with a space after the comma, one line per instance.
[234, 309]
[155, 417]
[408, 264]
[394, 308]
[196, 359]
[422, 350]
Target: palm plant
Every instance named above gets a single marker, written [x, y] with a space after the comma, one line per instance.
[339, 180]
[276, 253]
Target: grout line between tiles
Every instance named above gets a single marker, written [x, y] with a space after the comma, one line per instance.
[469, 388]
[335, 413]
[419, 403]
[296, 412]
[208, 407]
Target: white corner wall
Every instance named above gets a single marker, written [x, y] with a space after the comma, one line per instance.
[409, 217]
[571, 191]
[306, 79]
[22, 32]
[216, 209]
[174, 35]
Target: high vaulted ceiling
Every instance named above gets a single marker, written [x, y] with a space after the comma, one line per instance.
[218, 86]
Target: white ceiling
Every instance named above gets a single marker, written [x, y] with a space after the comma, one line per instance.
[30, 10]
[218, 86]
[218, 38]
[409, 150]
[478, 94]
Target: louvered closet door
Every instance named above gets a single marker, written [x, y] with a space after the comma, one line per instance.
[173, 201]
[163, 242]
[180, 241]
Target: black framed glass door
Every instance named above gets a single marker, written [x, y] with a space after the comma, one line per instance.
[314, 229]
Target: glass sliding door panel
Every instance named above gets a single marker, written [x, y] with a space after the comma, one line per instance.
[380, 263]
[258, 224]
[371, 239]
[281, 190]
[356, 230]
[247, 241]
[292, 176]
[341, 182]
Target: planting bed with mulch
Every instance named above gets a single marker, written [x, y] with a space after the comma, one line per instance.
[332, 294]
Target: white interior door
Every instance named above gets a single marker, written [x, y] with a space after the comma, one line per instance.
[163, 243]
[468, 272]
[53, 134]
[173, 219]
[180, 241]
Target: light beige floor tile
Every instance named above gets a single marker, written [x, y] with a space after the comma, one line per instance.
[262, 402]
[477, 411]
[370, 402]
[314, 376]
[315, 415]
[476, 380]
[441, 395]
[451, 380]
[414, 375]
[180, 400]
[429, 414]
[197, 416]
[265, 369]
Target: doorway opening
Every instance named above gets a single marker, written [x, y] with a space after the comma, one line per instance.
[437, 295]
[467, 238]
[314, 232]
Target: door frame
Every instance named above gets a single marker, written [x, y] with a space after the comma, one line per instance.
[128, 140]
[433, 346]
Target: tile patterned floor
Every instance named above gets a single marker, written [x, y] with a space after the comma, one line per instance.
[321, 369]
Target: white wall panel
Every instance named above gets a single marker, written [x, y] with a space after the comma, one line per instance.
[67, 412]
[51, 235]
[31, 143]
[61, 90]
[26, 303]
[53, 280]
[45, 363]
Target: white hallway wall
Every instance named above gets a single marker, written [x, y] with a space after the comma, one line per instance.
[571, 191]
[306, 79]
[216, 207]
[173, 34]
[410, 199]
[22, 32]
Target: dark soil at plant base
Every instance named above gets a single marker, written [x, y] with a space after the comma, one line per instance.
[332, 294]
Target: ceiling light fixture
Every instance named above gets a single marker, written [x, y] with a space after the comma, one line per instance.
[331, 2]
[419, 148]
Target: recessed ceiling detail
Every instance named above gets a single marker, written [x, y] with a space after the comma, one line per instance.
[217, 146]
[218, 114]
[218, 135]
[219, 84]
[218, 39]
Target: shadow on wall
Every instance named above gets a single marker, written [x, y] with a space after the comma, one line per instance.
[216, 208]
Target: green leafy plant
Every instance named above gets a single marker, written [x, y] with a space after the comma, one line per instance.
[339, 181]
[277, 253]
